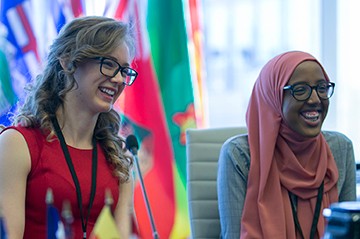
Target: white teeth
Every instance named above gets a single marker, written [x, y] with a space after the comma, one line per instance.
[108, 91]
[311, 114]
[314, 115]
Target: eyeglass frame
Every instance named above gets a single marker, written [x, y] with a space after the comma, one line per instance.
[120, 69]
[329, 85]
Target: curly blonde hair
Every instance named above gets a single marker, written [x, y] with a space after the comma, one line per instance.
[81, 39]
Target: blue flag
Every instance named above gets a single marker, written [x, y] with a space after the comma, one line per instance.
[25, 49]
[54, 226]
[3, 234]
[21, 46]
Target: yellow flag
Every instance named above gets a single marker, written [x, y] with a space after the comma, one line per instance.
[105, 226]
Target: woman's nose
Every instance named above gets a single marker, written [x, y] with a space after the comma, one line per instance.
[118, 78]
[314, 97]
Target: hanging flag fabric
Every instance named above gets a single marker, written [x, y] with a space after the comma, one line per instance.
[143, 115]
[8, 97]
[194, 29]
[77, 8]
[25, 49]
[158, 109]
[21, 44]
[169, 48]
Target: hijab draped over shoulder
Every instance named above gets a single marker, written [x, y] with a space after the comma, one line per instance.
[283, 161]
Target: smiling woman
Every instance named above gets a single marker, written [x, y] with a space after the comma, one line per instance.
[286, 168]
[66, 135]
[305, 106]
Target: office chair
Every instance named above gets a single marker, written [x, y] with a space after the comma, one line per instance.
[202, 151]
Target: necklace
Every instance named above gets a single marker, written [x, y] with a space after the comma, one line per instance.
[65, 150]
[316, 213]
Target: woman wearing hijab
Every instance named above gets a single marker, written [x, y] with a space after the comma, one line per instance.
[275, 181]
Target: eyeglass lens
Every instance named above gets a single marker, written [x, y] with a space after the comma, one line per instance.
[110, 68]
[303, 91]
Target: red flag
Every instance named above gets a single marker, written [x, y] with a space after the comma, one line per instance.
[154, 147]
[142, 106]
[77, 8]
[196, 39]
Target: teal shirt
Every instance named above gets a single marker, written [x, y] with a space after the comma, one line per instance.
[233, 169]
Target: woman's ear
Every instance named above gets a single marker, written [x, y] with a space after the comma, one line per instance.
[65, 64]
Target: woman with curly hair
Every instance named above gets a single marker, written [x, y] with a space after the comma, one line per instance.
[65, 135]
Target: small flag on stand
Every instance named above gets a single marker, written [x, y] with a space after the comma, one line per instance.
[67, 219]
[105, 226]
[3, 234]
[55, 228]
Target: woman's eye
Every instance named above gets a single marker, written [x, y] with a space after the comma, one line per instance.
[322, 89]
[299, 90]
[109, 64]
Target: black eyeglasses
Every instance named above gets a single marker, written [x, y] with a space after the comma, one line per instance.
[303, 91]
[110, 68]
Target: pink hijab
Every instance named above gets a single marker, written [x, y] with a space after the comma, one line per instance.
[283, 161]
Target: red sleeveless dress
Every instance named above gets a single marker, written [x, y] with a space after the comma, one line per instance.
[49, 170]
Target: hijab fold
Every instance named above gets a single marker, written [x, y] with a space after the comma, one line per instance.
[283, 161]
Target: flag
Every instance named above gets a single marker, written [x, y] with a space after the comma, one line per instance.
[54, 225]
[8, 97]
[2, 229]
[105, 226]
[26, 44]
[195, 35]
[21, 44]
[169, 49]
[68, 219]
[158, 109]
[77, 8]
[3, 234]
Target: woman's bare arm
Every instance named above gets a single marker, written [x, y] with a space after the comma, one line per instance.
[15, 166]
[125, 209]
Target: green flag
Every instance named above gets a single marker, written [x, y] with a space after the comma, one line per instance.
[7, 96]
[168, 42]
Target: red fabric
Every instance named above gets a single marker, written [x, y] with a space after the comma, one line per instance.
[282, 160]
[77, 8]
[49, 170]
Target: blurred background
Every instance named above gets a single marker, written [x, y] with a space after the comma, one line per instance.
[240, 36]
[227, 42]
